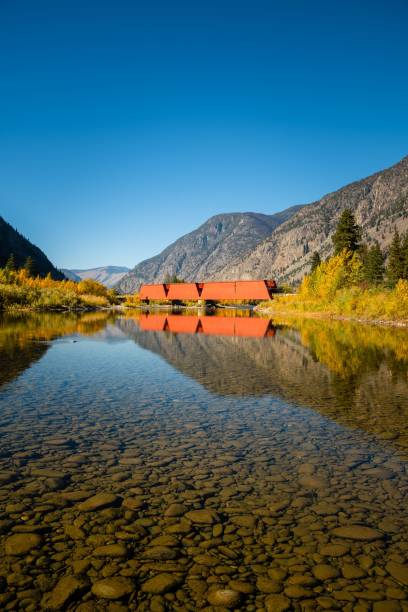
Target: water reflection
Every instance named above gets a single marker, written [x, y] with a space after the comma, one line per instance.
[353, 373]
[170, 471]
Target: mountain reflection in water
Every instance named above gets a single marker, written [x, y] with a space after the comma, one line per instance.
[205, 453]
[356, 374]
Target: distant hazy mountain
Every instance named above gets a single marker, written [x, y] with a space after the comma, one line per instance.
[107, 275]
[205, 252]
[11, 242]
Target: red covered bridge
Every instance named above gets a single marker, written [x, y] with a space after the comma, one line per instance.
[219, 326]
[212, 291]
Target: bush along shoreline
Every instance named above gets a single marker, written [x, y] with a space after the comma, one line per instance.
[354, 283]
[19, 290]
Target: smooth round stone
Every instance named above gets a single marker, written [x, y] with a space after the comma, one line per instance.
[386, 606]
[21, 543]
[277, 603]
[113, 588]
[399, 571]
[98, 501]
[242, 587]
[160, 553]
[352, 572]
[205, 516]
[297, 592]
[161, 584]
[110, 550]
[313, 482]
[325, 572]
[358, 532]
[63, 592]
[334, 550]
[164, 540]
[175, 510]
[266, 585]
[226, 598]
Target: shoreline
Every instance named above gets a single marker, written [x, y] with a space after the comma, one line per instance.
[334, 317]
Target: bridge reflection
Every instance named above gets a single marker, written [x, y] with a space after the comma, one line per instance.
[207, 325]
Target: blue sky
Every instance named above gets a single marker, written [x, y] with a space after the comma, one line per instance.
[125, 124]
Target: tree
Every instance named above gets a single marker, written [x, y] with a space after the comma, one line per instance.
[348, 234]
[404, 253]
[173, 278]
[395, 268]
[29, 266]
[10, 264]
[374, 265]
[316, 261]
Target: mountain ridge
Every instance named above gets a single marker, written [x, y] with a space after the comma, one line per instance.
[202, 253]
[12, 242]
[283, 250]
[107, 275]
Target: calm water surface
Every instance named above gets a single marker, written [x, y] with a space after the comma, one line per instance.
[236, 463]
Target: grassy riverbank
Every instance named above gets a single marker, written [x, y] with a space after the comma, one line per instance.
[18, 290]
[335, 289]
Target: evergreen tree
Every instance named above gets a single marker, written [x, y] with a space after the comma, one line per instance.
[29, 266]
[374, 265]
[404, 253]
[348, 234]
[316, 261]
[11, 263]
[395, 266]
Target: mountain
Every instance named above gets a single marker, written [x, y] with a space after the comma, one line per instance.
[107, 275]
[379, 202]
[205, 252]
[11, 242]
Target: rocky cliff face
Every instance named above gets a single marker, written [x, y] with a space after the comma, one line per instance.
[379, 202]
[202, 254]
[11, 242]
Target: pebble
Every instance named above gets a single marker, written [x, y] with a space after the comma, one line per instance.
[277, 603]
[399, 571]
[358, 532]
[64, 591]
[161, 584]
[113, 588]
[21, 544]
[227, 598]
[206, 517]
[98, 502]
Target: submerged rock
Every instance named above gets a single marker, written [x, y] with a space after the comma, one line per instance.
[113, 588]
[161, 584]
[21, 543]
[63, 592]
[98, 501]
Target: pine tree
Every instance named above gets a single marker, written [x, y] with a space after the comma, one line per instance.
[11, 263]
[29, 266]
[395, 268]
[404, 253]
[374, 265]
[316, 261]
[348, 234]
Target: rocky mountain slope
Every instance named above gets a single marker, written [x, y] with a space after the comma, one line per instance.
[251, 245]
[12, 242]
[205, 252]
[379, 202]
[107, 275]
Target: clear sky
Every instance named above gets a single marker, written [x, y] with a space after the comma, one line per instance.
[124, 124]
